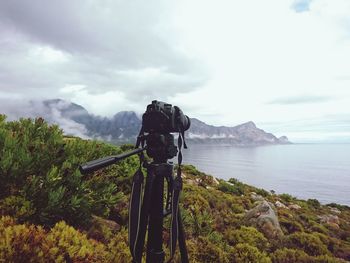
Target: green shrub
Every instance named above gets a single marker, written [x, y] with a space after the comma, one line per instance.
[236, 189]
[310, 243]
[21, 243]
[286, 197]
[313, 203]
[64, 243]
[262, 192]
[119, 249]
[287, 255]
[17, 207]
[245, 253]
[40, 165]
[246, 235]
[202, 250]
[290, 225]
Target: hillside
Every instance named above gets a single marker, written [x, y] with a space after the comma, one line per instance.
[50, 212]
[124, 126]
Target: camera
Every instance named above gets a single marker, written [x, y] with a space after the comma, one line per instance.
[161, 117]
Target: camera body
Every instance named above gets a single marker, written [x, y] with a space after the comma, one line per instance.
[161, 117]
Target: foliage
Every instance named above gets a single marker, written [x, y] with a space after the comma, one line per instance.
[246, 235]
[286, 197]
[246, 253]
[202, 250]
[236, 189]
[313, 203]
[17, 207]
[310, 243]
[287, 255]
[39, 172]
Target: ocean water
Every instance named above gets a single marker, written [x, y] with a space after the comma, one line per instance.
[320, 171]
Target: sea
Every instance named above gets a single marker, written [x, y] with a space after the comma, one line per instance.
[319, 171]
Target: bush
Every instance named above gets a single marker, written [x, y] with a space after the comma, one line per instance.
[119, 249]
[245, 253]
[17, 207]
[39, 172]
[287, 255]
[286, 197]
[64, 243]
[310, 243]
[21, 243]
[313, 203]
[246, 235]
[202, 250]
[236, 189]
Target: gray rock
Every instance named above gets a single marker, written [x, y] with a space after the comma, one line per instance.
[329, 219]
[264, 218]
[294, 206]
[280, 205]
[256, 197]
[335, 210]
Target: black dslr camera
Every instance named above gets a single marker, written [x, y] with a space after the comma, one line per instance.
[159, 120]
[163, 118]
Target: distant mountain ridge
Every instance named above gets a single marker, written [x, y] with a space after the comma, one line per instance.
[124, 127]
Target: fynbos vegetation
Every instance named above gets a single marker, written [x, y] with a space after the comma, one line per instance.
[50, 212]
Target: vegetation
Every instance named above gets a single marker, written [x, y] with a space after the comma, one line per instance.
[50, 212]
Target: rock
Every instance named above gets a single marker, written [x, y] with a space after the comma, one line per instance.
[215, 181]
[192, 182]
[280, 205]
[335, 210]
[294, 206]
[264, 218]
[99, 226]
[329, 219]
[256, 197]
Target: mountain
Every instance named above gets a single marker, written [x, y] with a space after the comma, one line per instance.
[125, 125]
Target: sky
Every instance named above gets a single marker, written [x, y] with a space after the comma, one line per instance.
[284, 64]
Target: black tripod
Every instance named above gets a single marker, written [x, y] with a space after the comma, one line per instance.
[151, 212]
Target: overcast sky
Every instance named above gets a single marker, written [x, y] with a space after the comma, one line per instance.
[284, 64]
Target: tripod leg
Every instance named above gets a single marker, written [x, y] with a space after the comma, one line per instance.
[155, 253]
[182, 242]
[144, 215]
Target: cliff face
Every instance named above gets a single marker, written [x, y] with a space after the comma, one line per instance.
[124, 127]
[243, 134]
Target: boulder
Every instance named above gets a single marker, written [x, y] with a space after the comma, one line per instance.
[256, 197]
[294, 206]
[335, 210]
[329, 219]
[102, 229]
[279, 204]
[192, 182]
[215, 181]
[264, 218]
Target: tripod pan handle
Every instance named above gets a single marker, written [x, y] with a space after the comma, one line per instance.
[96, 164]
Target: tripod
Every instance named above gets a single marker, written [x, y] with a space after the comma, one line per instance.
[148, 211]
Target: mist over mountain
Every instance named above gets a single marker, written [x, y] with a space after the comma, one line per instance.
[124, 126]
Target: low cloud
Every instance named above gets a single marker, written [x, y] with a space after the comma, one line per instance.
[300, 100]
[15, 109]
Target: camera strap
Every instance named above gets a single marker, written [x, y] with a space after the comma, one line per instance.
[135, 213]
[177, 231]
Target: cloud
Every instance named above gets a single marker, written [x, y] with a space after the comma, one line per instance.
[300, 100]
[105, 46]
[301, 5]
[16, 108]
